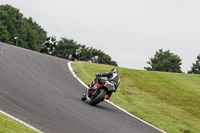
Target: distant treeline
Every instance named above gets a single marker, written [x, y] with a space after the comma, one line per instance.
[18, 30]
[66, 47]
[13, 24]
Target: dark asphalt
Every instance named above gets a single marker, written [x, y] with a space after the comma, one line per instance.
[41, 91]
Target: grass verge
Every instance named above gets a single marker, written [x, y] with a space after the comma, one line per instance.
[8, 125]
[169, 101]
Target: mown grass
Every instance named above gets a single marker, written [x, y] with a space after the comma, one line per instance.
[169, 101]
[8, 125]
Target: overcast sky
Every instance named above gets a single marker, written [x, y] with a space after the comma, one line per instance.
[130, 31]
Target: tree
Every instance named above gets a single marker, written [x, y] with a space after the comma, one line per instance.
[164, 61]
[30, 34]
[195, 69]
[67, 46]
[13, 20]
[4, 34]
[35, 35]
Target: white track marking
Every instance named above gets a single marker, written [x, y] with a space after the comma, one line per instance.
[74, 74]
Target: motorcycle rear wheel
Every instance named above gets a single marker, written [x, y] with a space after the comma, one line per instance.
[100, 97]
[43, 49]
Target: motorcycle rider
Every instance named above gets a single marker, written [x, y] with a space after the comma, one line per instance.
[94, 59]
[50, 42]
[74, 56]
[112, 77]
[79, 51]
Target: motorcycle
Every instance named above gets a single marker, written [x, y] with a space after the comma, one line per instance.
[46, 47]
[74, 56]
[100, 92]
[94, 59]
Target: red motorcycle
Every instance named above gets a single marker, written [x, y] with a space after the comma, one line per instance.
[100, 92]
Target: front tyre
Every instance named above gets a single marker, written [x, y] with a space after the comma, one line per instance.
[100, 97]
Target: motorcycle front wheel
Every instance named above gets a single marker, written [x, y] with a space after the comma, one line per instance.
[97, 99]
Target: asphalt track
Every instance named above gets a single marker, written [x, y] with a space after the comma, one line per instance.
[41, 91]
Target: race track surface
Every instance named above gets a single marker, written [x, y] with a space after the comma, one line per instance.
[41, 91]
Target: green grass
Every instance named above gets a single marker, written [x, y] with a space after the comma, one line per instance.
[169, 101]
[8, 125]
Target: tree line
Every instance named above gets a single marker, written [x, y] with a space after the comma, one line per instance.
[66, 46]
[31, 35]
[166, 61]
[15, 29]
